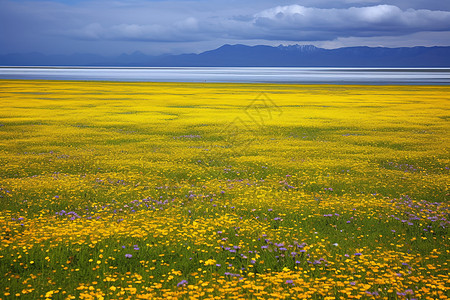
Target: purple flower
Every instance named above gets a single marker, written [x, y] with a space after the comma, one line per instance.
[290, 282]
[128, 255]
[358, 254]
[231, 274]
[182, 283]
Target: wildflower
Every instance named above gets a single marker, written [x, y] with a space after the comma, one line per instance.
[182, 283]
[128, 255]
[231, 274]
[210, 262]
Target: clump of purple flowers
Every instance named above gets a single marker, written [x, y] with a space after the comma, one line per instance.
[232, 274]
[182, 283]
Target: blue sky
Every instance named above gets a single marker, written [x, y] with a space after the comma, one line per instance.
[112, 27]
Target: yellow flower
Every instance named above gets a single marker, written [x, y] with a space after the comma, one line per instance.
[210, 262]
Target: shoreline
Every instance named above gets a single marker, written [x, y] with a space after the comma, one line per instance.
[262, 75]
[290, 84]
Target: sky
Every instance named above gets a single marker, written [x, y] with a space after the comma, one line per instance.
[112, 27]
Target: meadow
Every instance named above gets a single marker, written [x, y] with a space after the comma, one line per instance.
[211, 191]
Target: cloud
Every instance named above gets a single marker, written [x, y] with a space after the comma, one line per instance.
[283, 23]
[295, 22]
[154, 26]
[186, 30]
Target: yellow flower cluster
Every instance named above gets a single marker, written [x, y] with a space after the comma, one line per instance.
[210, 191]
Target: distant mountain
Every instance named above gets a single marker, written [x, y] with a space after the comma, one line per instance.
[252, 56]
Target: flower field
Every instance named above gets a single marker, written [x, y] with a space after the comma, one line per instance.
[211, 191]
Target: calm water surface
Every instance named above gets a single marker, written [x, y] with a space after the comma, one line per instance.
[411, 76]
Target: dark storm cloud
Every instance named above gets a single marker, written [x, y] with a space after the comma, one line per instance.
[193, 25]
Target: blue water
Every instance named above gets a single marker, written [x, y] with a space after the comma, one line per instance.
[416, 76]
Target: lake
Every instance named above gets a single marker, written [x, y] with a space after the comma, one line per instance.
[381, 76]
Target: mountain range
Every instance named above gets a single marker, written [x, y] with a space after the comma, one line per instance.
[251, 56]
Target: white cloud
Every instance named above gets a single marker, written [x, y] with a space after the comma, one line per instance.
[297, 21]
[283, 23]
